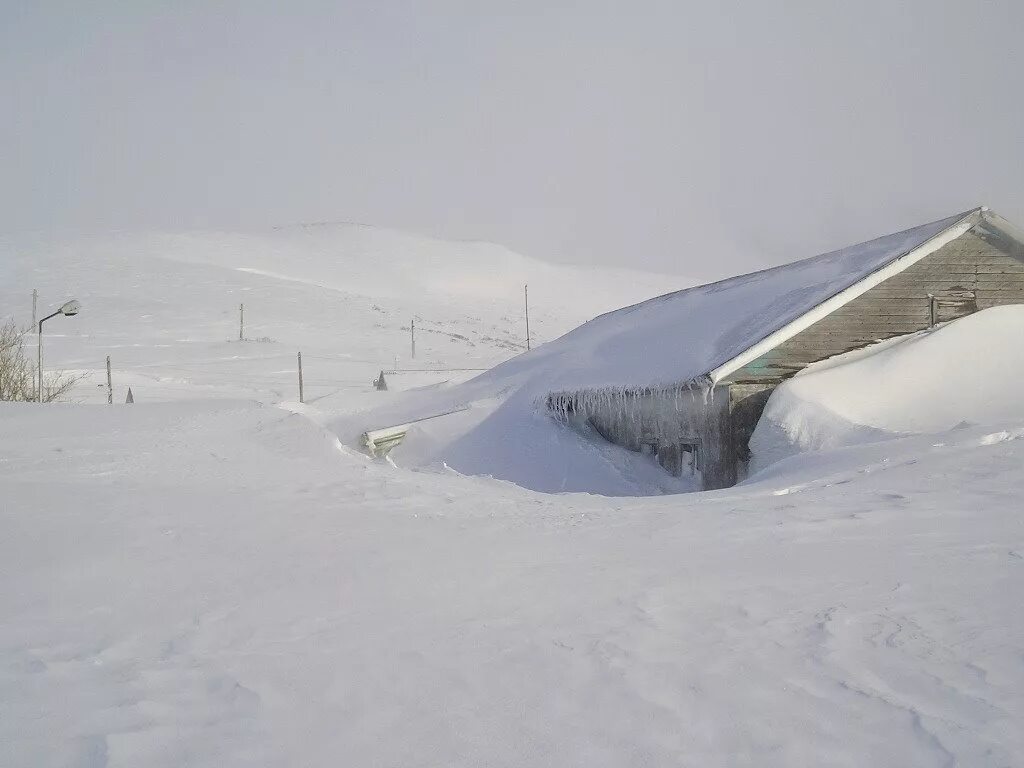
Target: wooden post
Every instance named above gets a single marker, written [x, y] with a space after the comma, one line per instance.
[39, 360]
[241, 322]
[110, 386]
[412, 331]
[301, 395]
[526, 299]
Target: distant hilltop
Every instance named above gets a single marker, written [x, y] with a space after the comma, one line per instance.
[331, 223]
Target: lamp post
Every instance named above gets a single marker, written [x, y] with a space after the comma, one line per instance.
[68, 308]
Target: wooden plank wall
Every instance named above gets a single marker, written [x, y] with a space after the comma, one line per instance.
[977, 261]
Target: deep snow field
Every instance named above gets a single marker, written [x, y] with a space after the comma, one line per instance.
[216, 576]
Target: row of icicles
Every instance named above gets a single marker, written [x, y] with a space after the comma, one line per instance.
[626, 402]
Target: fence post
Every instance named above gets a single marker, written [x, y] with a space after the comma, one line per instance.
[412, 330]
[301, 397]
[110, 386]
[241, 322]
[526, 299]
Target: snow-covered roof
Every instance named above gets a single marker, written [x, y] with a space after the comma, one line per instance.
[711, 330]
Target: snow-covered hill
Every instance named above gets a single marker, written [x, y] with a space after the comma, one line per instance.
[165, 307]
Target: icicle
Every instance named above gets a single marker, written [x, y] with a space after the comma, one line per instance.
[705, 383]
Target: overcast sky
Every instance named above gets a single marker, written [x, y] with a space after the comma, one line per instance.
[700, 138]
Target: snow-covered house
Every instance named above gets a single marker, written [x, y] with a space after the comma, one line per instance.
[687, 375]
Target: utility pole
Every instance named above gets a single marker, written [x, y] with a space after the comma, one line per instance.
[110, 386]
[241, 322]
[35, 299]
[526, 299]
[412, 331]
[301, 397]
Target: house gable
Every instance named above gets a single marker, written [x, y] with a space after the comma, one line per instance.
[978, 269]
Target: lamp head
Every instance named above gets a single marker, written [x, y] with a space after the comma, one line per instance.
[71, 307]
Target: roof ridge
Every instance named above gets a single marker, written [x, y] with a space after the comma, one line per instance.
[766, 270]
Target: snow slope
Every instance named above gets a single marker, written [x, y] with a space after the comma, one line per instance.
[218, 584]
[967, 371]
[376, 261]
[165, 308]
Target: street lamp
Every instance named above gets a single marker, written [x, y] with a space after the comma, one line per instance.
[68, 308]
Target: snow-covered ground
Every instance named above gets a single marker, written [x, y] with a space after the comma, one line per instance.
[215, 577]
[218, 583]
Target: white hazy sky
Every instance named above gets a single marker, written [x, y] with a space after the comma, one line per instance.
[701, 138]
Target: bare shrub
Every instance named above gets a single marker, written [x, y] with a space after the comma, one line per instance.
[18, 373]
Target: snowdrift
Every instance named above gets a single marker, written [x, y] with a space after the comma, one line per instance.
[967, 371]
[517, 441]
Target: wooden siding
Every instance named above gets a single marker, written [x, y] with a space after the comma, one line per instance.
[974, 262]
